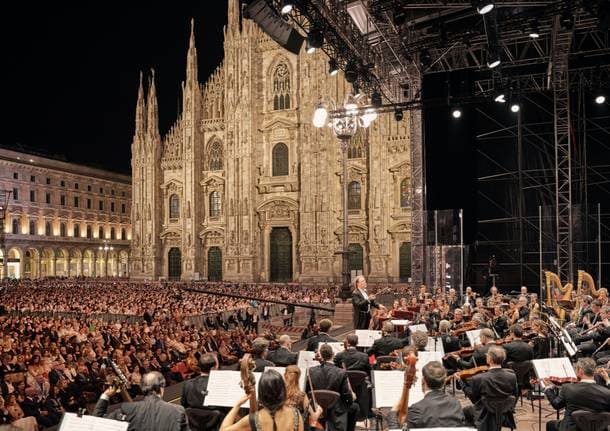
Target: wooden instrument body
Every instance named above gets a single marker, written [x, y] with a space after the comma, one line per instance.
[553, 282]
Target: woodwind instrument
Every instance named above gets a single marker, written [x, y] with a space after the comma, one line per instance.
[403, 404]
[553, 281]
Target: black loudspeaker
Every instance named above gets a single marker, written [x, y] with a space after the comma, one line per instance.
[272, 24]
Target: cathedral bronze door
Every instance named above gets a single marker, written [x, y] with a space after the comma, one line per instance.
[174, 264]
[214, 264]
[280, 254]
[356, 258]
[404, 261]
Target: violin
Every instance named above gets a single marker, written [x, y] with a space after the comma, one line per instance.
[464, 351]
[470, 372]
[410, 370]
[557, 381]
[465, 327]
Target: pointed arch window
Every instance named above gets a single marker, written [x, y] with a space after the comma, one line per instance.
[89, 232]
[353, 196]
[174, 207]
[215, 157]
[280, 160]
[404, 193]
[281, 87]
[123, 234]
[355, 149]
[112, 233]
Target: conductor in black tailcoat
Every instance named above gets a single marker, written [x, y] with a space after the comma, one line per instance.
[362, 303]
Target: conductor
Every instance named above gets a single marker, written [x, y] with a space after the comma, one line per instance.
[362, 303]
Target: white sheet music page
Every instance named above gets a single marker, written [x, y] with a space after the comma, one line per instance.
[306, 359]
[71, 422]
[442, 429]
[366, 337]
[282, 371]
[224, 388]
[553, 367]
[474, 337]
[388, 387]
[418, 327]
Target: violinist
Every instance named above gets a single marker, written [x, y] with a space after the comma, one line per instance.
[539, 343]
[479, 307]
[452, 299]
[395, 308]
[423, 293]
[387, 343]
[592, 318]
[351, 358]
[522, 312]
[260, 349]
[602, 296]
[518, 350]
[283, 355]
[590, 341]
[458, 318]
[450, 342]
[500, 321]
[584, 395]
[322, 336]
[480, 352]
[437, 409]
[494, 298]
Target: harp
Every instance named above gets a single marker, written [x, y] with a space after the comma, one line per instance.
[557, 294]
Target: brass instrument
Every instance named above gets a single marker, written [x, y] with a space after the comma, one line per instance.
[553, 281]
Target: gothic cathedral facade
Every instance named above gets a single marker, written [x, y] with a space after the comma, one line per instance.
[244, 188]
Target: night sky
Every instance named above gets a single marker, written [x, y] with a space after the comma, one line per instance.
[73, 71]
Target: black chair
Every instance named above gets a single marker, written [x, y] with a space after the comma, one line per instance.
[591, 421]
[524, 371]
[358, 382]
[324, 398]
[204, 419]
[498, 409]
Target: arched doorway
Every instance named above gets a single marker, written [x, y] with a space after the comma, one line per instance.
[30, 265]
[214, 264]
[174, 264]
[280, 254]
[404, 262]
[356, 258]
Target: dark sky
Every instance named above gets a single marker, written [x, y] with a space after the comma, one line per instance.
[73, 71]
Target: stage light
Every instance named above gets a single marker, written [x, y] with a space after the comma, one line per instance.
[320, 115]
[500, 97]
[273, 25]
[493, 57]
[286, 7]
[600, 98]
[456, 112]
[315, 38]
[534, 31]
[333, 68]
[515, 107]
[376, 99]
[398, 114]
[483, 6]
[309, 48]
[351, 72]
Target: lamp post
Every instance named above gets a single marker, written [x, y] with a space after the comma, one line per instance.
[106, 247]
[344, 123]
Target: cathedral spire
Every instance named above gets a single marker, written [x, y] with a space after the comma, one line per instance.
[233, 16]
[153, 108]
[141, 111]
[191, 62]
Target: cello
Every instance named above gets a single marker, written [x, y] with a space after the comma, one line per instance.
[403, 405]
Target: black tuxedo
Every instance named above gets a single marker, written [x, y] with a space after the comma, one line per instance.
[478, 357]
[329, 377]
[436, 410]
[518, 351]
[450, 343]
[282, 357]
[261, 364]
[496, 384]
[353, 360]
[194, 392]
[387, 344]
[576, 396]
[362, 310]
[322, 337]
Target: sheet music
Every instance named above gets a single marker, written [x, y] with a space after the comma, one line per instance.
[71, 422]
[306, 359]
[474, 337]
[366, 337]
[400, 322]
[282, 371]
[418, 327]
[224, 389]
[336, 346]
[553, 367]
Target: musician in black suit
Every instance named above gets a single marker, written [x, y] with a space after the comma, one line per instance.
[329, 377]
[500, 321]
[479, 356]
[322, 337]
[362, 303]
[260, 349]
[152, 413]
[518, 350]
[351, 358]
[283, 355]
[193, 396]
[387, 343]
[589, 342]
[584, 395]
[437, 409]
[450, 342]
[493, 386]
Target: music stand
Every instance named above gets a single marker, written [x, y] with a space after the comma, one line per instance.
[562, 335]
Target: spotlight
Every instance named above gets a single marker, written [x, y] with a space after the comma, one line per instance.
[534, 31]
[500, 97]
[320, 115]
[600, 98]
[286, 7]
[315, 38]
[456, 112]
[376, 99]
[483, 6]
[493, 58]
[351, 72]
[515, 106]
[309, 48]
[333, 68]
[398, 115]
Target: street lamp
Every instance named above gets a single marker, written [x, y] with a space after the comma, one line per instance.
[344, 123]
[106, 247]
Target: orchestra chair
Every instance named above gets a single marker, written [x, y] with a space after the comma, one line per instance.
[359, 384]
[524, 371]
[204, 419]
[497, 408]
[591, 421]
[325, 399]
[384, 360]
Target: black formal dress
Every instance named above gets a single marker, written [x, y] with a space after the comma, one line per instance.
[282, 357]
[328, 376]
[436, 410]
[362, 310]
[352, 359]
[387, 344]
[152, 413]
[576, 396]
[322, 337]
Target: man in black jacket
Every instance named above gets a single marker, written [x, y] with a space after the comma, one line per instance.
[437, 409]
[328, 376]
[152, 413]
[283, 355]
[584, 395]
[351, 358]
[493, 386]
[194, 392]
[260, 349]
[518, 350]
[387, 343]
[362, 303]
[322, 337]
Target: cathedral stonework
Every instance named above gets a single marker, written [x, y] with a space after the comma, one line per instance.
[244, 188]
